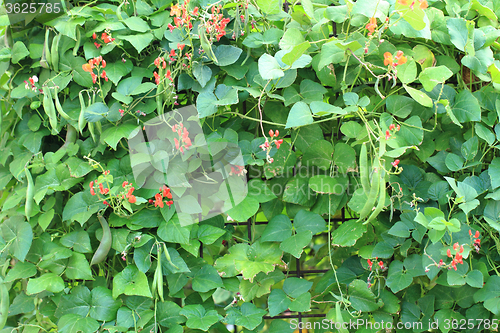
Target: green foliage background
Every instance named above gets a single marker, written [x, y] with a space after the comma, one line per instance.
[409, 151]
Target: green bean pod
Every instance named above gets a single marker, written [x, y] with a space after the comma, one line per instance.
[50, 109]
[381, 200]
[106, 241]
[372, 196]
[54, 52]
[92, 131]
[4, 304]
[81, 119]
[167, 255]
[30, 193]
[78, 41]
[46, 48]
[159, 280]
[59, 107]
[363, 168]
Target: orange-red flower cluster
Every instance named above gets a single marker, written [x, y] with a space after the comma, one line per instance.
[217, 23]
[389, 60]
[238, 170]
[477, 240]
[182, 17]
[97, 63]
[102, 190]
[106, 38]
[459, 249]
[164, 193]
[184, 141]
[421, 3]
[371, 26]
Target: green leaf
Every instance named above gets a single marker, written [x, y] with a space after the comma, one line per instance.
[361, 297]
[305, 220]
[431, 76]
[198, 317]
[457, 27]
[494, 172]
[48, 281]
[474, 279]
[19, 234]
[19, 52]
[301, 303]
[322, 109]
[136, 24]
[466, 107]
[127, 86]
[78, 268]
[227, 54]
[278, 229]
[96, 112]
[298, 50]
[277, 302]
[269, 68]
[295, 244]
[114, 134]
[21, 270]
[348, 232]
[420, 97]
[71, 323]
[407, 72]
[251, 316]
[344, 157]
[291, 38]
[469, 148]
[202, 73]
[319, 154]
[251, 260]
[399, 106]
[244, 210]
[208, 234]
[300, 115]
[116, 70]
[172, 231]
[328, 185]
[397, 279]
[130, 282]
[484, 133]
[294, 287]
[103, 306]
[454, 162]
[206, 279]
[139, 41]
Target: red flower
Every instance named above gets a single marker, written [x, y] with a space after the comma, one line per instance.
[97, 45]
[448, 253]
[158, 200]
[195, 11]
[132, 199]
[105, 202]
[387, 135]
[92, 188]
[476, 235]
[180, 46]
[271, 133]
[423, 4]
[129, 194]
[88, 67]
[169, 203]
[395, 163]
[106, 38]
[94, 36]
[125, 183]
[370, 264]
[278, 143]
[103, 64]
[455, 246]
[403, 2]
[400, 58]
[391, 127]
[381, 264]
[169, 75]
[171, 27]
[372, 25]
[172, 53]
[388, 59]
[157, 78]
[94, 77]
[398, 128]
[176, 143]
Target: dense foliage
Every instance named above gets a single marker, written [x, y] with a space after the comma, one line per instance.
[386, 109]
